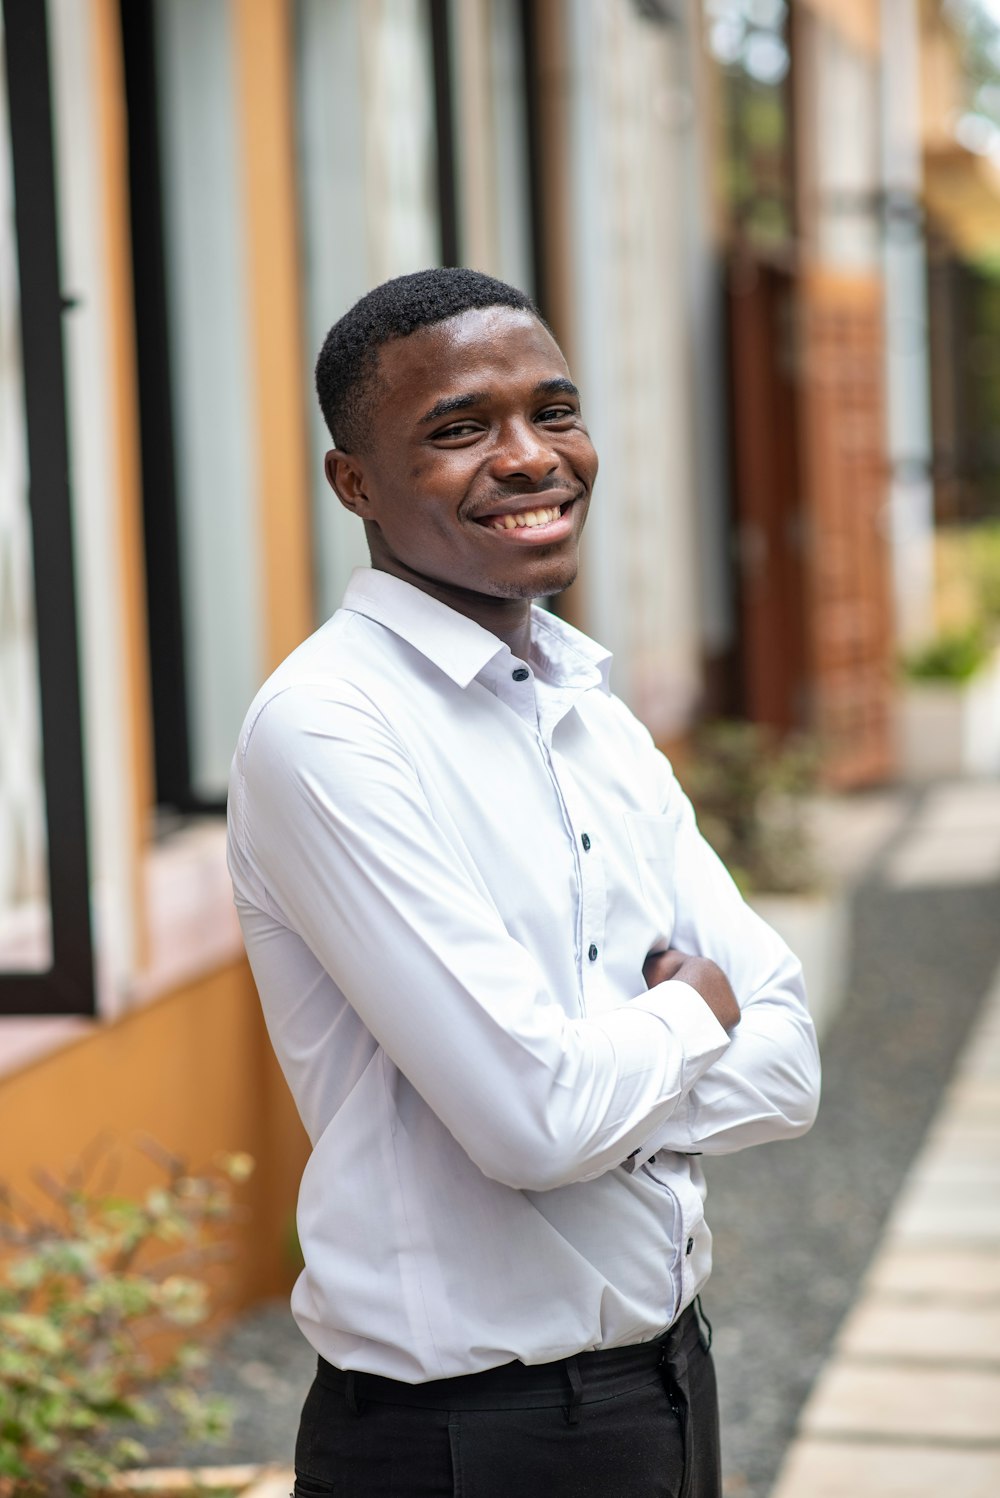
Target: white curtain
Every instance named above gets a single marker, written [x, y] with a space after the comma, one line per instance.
[25, 927]
[211, 363]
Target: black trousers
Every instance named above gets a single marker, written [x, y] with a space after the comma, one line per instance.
[631, 1422]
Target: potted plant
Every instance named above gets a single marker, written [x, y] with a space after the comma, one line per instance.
[98, 1293]
[949, 718]
[949, 709]
[752, 794]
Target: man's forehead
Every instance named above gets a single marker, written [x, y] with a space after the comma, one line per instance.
[482, 347]
[478, 323]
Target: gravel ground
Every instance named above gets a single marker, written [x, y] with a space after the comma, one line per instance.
[795, 1224]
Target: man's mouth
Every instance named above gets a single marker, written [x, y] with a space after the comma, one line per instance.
[523, 518]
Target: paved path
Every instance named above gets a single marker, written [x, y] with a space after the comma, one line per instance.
[908, 1405]
[796, 1225]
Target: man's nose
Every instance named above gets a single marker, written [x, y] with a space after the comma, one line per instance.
[524, 452]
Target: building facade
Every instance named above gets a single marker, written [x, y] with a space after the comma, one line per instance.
[191, 191]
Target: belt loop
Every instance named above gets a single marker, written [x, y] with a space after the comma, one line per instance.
[575, 1390]
[706, 1334]
[350, 1391]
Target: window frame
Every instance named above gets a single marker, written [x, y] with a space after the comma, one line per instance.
[67, 987]
[444, 119]
[157, 433]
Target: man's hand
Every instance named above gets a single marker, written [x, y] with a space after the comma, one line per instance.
[702, 974]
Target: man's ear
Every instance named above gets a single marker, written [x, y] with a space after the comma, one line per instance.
[346, 477]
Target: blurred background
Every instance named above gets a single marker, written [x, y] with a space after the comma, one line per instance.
[767, 235]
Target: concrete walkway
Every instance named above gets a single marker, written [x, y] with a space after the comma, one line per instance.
[908, 1404]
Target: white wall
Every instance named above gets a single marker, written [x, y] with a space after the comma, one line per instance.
[906, 330]
[491, 144]
[367, 196]
[629, 292]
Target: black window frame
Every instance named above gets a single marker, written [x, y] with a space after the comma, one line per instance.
[67, 987]
[166, 635]
[444, 131]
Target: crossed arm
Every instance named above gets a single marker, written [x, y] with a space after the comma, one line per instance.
[700, 973]
[351, 859]
[766, 1084]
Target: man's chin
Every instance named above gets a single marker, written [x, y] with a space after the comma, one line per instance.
[544, 582]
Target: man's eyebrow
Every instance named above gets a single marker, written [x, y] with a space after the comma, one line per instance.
[558, 385]
[451, 403]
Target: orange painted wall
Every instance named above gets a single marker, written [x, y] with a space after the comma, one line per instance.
[194, 1071]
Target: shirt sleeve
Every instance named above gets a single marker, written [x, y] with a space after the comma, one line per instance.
[766, 1086]
[330, 816]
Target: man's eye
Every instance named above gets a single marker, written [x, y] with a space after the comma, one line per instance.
[457, 429]
[557, 413]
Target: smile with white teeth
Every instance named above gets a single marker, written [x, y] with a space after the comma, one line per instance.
[525, 518]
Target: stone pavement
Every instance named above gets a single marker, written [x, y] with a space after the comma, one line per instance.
[908, 1403]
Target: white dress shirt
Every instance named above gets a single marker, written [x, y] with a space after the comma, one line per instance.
[449, 865]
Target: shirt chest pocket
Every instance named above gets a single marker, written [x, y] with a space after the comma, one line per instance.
[653, 840]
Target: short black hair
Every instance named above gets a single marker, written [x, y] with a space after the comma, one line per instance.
[347, 367]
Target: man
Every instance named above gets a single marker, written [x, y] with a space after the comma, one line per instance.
[514, 993]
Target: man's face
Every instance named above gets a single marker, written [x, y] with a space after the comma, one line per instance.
[480, 468]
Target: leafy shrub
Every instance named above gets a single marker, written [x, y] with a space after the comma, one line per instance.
[967, 577]
[983, 543]
[954, 655]
[750, 794]
[85, 1285]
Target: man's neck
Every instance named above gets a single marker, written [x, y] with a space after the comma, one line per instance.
[507, 618]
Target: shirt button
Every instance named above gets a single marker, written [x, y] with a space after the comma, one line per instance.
[585, 840]
[592, 952]
[521, 674]
[690, 1246]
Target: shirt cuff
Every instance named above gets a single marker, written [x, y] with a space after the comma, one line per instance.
[699, 1035]
[686, 1015]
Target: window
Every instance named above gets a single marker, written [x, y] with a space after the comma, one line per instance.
[199, 506]
[46, 961]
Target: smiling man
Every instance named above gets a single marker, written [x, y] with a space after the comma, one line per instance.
[514, 993]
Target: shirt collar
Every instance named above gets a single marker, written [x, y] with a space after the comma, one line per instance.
[462, 648]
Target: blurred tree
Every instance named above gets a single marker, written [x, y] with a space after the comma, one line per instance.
[749, 41]
[977, 24]
[965, 295]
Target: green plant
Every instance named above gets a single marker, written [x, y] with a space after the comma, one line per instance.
[88, 1286]
[954, 655]
[983, 544]
[750, 792]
